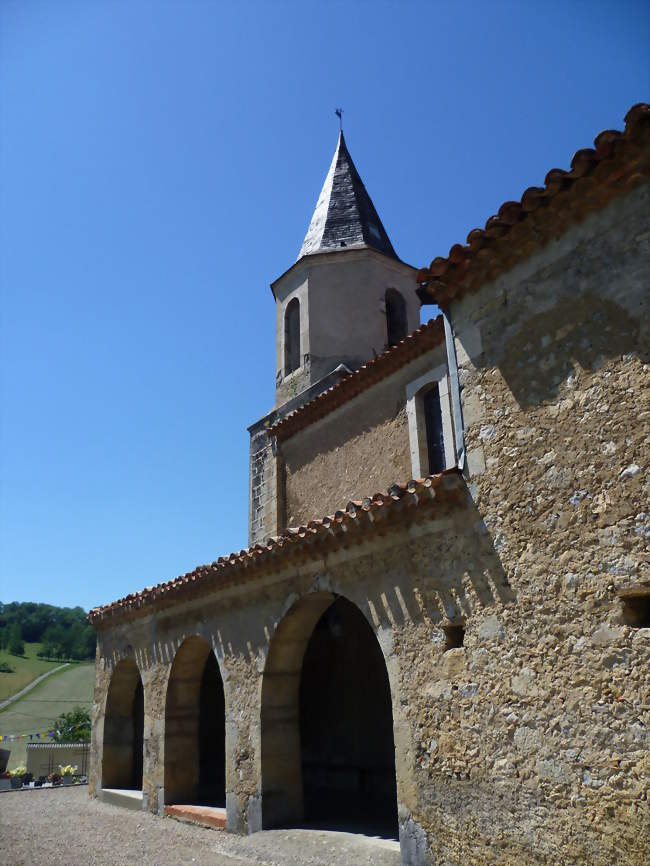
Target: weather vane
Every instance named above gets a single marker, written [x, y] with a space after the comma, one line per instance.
[339, 113]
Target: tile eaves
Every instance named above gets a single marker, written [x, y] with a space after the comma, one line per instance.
[418, 342]
[617, 162]
[357, 522]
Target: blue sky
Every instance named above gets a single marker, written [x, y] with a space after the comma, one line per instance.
[159, 164]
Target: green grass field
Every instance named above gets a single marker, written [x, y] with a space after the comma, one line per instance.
[25, 670]
[58, 694]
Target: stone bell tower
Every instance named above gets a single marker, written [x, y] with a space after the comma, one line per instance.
[331, 304]
[345, 299]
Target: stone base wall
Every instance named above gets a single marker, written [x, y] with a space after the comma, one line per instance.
[556, 400]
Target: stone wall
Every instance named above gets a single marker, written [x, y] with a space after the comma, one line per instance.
[265, 503]
[46, 758]
[359, 449]
[553, 366]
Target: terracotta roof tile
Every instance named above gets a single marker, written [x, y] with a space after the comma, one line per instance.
[617, 162]
[415, 344]
[353, 524]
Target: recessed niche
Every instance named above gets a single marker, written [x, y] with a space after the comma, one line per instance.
[636, 608]
[455, 636]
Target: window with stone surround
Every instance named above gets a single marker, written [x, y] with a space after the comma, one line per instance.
[292, 336]
[428, 409]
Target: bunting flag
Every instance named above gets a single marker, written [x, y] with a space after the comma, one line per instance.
[39, 735]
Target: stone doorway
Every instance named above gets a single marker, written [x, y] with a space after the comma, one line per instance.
[328, 754]
[124, 729]
[195, 728]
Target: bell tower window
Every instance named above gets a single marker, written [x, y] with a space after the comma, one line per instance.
[292, 336]
[396, 319]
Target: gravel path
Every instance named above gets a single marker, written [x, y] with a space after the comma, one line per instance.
[65, 827]
[32, 685]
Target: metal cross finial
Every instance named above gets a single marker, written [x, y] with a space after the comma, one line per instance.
[339, 113]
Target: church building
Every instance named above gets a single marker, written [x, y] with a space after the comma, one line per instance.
[440, 630]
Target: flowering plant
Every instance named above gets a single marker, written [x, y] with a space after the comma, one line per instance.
[18, 771]
[67, 770]
[54, 778]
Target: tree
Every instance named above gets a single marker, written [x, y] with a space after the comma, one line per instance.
[72, 727]
[16, 643]
[64, 631]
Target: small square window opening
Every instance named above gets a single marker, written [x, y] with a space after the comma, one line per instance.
[455, 636]
[636, 609]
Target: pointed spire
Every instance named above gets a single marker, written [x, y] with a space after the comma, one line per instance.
[345, 215]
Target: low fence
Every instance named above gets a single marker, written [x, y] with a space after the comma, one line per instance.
[45, 758]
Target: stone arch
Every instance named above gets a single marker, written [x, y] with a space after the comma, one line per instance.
[195, 727]
[327, 745]
[124, 729]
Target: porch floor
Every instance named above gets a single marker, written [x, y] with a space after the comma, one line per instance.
[124, 797]
[206, 816]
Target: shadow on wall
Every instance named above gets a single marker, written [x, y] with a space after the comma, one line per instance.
[586, 331]
[444, 585]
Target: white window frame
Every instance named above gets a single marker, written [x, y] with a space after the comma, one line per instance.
[417, 424]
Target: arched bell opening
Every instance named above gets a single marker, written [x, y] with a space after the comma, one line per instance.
[328, 753]
[124, 729]
[396, 317]
[195, 728]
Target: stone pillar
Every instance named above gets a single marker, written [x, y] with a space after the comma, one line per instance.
[154, 681]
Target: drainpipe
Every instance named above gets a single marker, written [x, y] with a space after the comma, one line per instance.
[452, 365]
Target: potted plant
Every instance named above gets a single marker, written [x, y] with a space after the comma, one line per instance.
[16, 776]
[67, 773]
[54, 778]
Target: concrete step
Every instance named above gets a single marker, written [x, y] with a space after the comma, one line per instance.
[206, 816]
[123, 797]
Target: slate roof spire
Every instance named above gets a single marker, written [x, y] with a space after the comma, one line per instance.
[345, 215]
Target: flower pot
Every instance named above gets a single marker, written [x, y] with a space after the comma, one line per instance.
[17, 782]
[5, 784]
[68, 780]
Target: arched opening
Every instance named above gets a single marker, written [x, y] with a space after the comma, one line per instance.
[328, 754]
[195, 728]
[396, 318]
[292, 336]
[124, 729]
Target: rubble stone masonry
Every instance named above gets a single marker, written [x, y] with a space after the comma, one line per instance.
[526, 743]
[550, 723]
[357, 450]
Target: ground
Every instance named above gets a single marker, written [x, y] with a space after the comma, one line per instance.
[65, 827]
[57, 694]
